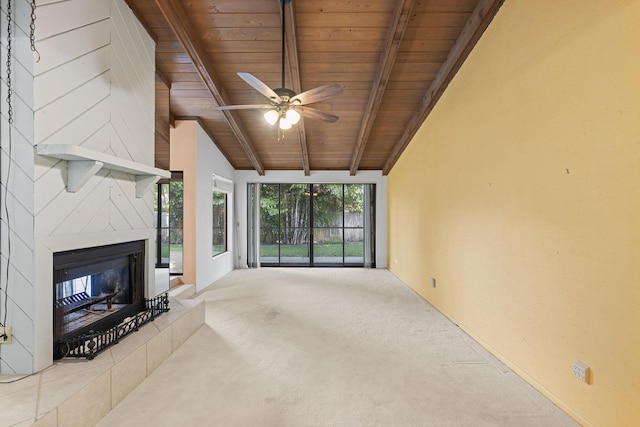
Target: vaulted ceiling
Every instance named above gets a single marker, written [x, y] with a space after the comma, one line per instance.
[392, 58]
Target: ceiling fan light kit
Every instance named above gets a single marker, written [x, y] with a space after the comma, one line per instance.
[271, 117]
[286, 107]
[284, 111]
[292, 116]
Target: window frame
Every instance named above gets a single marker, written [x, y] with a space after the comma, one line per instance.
[224, 227]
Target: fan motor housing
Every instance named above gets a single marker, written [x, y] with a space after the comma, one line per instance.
[284, 93]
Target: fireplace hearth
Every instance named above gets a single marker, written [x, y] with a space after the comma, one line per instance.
[96, 291]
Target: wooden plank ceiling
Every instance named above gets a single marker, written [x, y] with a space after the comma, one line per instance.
[393, 59]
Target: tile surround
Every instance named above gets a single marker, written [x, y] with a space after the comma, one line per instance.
[158, 349]
[88, 406]
[127, 374]
[78, 392]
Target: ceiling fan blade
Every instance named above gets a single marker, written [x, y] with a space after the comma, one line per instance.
[317, 94]
[261, 87]
[312, 113]
[243, 107]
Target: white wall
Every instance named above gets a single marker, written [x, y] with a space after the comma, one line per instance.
[210, 162]
[93, 87]
[242, 178]
[16, 226]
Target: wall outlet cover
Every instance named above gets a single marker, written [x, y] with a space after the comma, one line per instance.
[581, 371]
[3, 339]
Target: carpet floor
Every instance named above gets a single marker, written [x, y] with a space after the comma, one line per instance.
[329, 347]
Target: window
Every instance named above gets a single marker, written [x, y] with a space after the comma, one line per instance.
[161, 224]
[219, 223]
[315, 225]
[168, 223]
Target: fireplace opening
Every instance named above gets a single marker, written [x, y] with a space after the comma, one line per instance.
[96, 289]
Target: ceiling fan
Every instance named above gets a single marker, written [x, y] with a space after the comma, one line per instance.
[285, 106]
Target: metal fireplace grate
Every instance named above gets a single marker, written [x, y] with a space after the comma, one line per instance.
[97, 289]
[90, 344]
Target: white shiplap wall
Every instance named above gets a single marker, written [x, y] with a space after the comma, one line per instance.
[16, 194]
[99, 95]
[94, 87]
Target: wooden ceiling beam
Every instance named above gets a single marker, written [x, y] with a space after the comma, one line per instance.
[178, 20]
[162, 78]
[479, 20]
[394, 38]
[294, 73]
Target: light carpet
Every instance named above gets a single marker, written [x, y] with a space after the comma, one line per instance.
[329, 347]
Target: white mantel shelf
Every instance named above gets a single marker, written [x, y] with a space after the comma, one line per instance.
[84, 163]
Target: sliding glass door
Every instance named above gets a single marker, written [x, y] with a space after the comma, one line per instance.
[284, 224]
[312, 224]
[338, 224]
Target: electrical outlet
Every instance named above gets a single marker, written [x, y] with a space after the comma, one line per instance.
[581, 371]
[3, 332]
[432, 282]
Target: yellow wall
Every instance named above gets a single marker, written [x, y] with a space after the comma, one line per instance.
[521, 196]
[183, 158]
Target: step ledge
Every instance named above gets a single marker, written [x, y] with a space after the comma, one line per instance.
[100, 384]
[182, 292]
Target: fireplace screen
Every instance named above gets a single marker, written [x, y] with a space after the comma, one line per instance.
[97, 288]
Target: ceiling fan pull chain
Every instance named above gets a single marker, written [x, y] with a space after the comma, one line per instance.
[283, 39]
[32, 32]
[286, 107]
[8, 63]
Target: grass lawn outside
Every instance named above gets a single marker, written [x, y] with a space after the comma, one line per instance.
[325, 250]
[171, 248]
